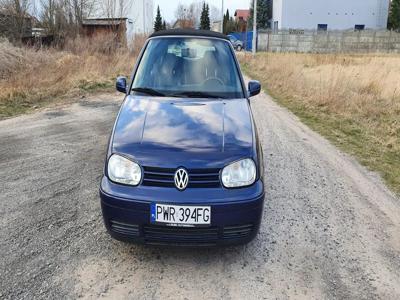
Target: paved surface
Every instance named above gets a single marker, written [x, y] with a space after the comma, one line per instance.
[331, 230]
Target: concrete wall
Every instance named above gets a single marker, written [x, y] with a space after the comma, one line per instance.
[329, 42]
[337, 14]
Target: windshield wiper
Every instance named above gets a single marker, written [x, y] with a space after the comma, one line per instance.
[193, 94]
[148, 91]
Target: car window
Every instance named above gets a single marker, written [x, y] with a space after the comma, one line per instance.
[189, 66]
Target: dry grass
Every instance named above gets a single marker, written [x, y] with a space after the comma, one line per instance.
[31, 77]
[352, 99]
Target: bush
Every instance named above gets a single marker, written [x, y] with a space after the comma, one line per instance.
[11, 58]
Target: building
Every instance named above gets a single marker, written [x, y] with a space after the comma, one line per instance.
[139, 15]
[92, 27]
[330, 14]
[241, 17]
[216, 26]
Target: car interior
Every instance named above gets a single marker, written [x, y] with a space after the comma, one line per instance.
[211, 69]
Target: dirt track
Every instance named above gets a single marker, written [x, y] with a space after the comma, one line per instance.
[331, 230]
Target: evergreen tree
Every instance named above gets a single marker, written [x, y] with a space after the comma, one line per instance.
[158, 25]
[208, 22]
[230, 24]
[394, 15]
[202, 16]
[225, 22]
[263, 14]
[205, 17]
[164, 25]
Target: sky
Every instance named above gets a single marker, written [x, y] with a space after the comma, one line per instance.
[168, 7]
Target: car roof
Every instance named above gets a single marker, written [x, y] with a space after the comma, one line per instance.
[189, 32]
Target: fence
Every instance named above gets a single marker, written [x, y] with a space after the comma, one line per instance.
[364, 41]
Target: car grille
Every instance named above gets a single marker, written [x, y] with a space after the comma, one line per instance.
[183, 236]
[198, 178]
[237, 232]
[180, 235]
[124, 229]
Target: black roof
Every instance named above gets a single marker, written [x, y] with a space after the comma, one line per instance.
[190, 32]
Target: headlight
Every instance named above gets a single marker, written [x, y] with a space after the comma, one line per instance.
[123, 170]
[240, 173]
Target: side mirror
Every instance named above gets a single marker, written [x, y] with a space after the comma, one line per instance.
[121, 84]
[254, 88]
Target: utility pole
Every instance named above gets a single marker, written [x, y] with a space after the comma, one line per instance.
[254, 27]
[222, 20]
[144, 17]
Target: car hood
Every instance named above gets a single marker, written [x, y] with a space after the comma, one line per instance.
[174, 132]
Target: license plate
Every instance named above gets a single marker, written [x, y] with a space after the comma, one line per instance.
[180, 215]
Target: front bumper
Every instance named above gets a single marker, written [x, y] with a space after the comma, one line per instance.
[235, 214]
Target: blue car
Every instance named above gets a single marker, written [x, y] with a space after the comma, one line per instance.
[237, 44]
[184, 163]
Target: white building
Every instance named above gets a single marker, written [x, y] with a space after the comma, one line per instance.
[140, 15]
[330, 14]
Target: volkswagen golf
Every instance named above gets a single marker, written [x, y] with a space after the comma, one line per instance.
[184, 164]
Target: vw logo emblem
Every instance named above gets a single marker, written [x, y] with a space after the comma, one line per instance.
[181, 179]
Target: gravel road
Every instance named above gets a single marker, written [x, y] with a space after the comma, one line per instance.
[331, 229]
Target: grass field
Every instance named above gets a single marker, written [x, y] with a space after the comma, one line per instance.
[30, 78]
[353, 100]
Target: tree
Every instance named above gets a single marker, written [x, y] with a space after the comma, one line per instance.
[158, 24]
[394, 15]
[208, 22]
[185, 15]
[113, 8]
[15, 21]
[205, 17]
[202, 16]
[64, 17]
[164, 25]
[225, 21]
[230, 25]
[189, 13]
[184, 12]
[263, 14]
[51, 17]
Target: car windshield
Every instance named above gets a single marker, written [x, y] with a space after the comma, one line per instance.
[188, 67]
